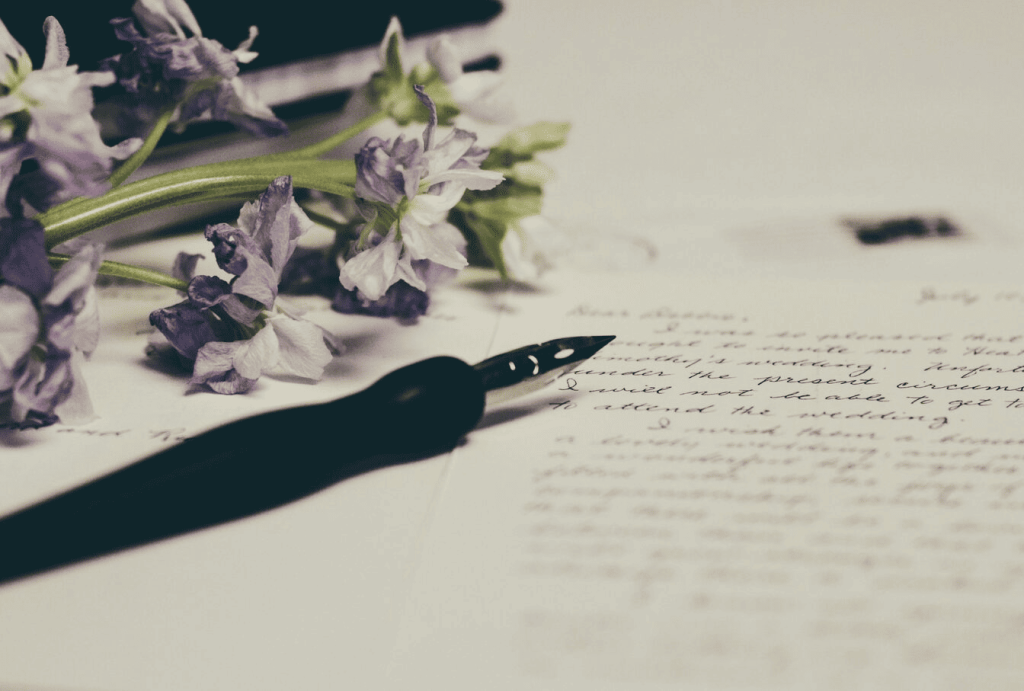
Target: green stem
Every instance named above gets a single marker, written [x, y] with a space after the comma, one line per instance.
[228, 180]
[120, 270]
[335, 140]
[140, 156]
[212, 182]
[312, 151]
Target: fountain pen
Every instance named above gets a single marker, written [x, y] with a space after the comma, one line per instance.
[258, 463]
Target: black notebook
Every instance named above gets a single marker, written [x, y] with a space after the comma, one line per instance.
[288, 32]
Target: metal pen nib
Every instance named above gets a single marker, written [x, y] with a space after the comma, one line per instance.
[533, 367]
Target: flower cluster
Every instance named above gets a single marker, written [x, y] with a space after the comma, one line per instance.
[46, 119]
[405, 190]
[231, 331]
[191, 76]
[408, 212]
[48, 321]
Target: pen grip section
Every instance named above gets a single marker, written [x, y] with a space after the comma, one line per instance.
[248, 466]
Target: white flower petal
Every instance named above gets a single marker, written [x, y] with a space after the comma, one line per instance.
[19, 328]
[431, 242]
[443, 155]
[531, 247]
[243, 52]
[248, 358]
[301, 348]
[77, 408]
[41, 387]
[372, 271]
[257, 355]
[215, 356]
[214, 367]
[479, 93]
[468, 178]
[87, 324]
[9, 46]
[472, 86]
[165, 16]
[405, 271]
[57, 53]
[429, 209]
[75, 278]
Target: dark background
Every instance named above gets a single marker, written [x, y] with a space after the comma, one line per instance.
[287, 31]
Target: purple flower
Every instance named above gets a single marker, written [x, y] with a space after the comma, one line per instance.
[407, 189]
[45, 116]
[401, 300]
[47, 322]
[234, 332]
[166, 66]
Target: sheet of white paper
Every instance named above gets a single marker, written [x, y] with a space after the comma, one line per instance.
[275, 601]
[291, 597]
[761, 486]
[143, 404]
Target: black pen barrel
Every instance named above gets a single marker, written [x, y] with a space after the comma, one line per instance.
[247, 467]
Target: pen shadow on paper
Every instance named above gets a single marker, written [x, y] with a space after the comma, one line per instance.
[78, 526]
[108, 515]
[509, 413]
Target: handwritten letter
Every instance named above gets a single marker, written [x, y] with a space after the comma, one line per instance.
[764, 487]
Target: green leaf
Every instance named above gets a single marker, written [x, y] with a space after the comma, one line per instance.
[423, 73]
[400, 101]
[505, 209]
[393, 71]
[488, 232]
[533, 173]
[391, 90]
[528, 140]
